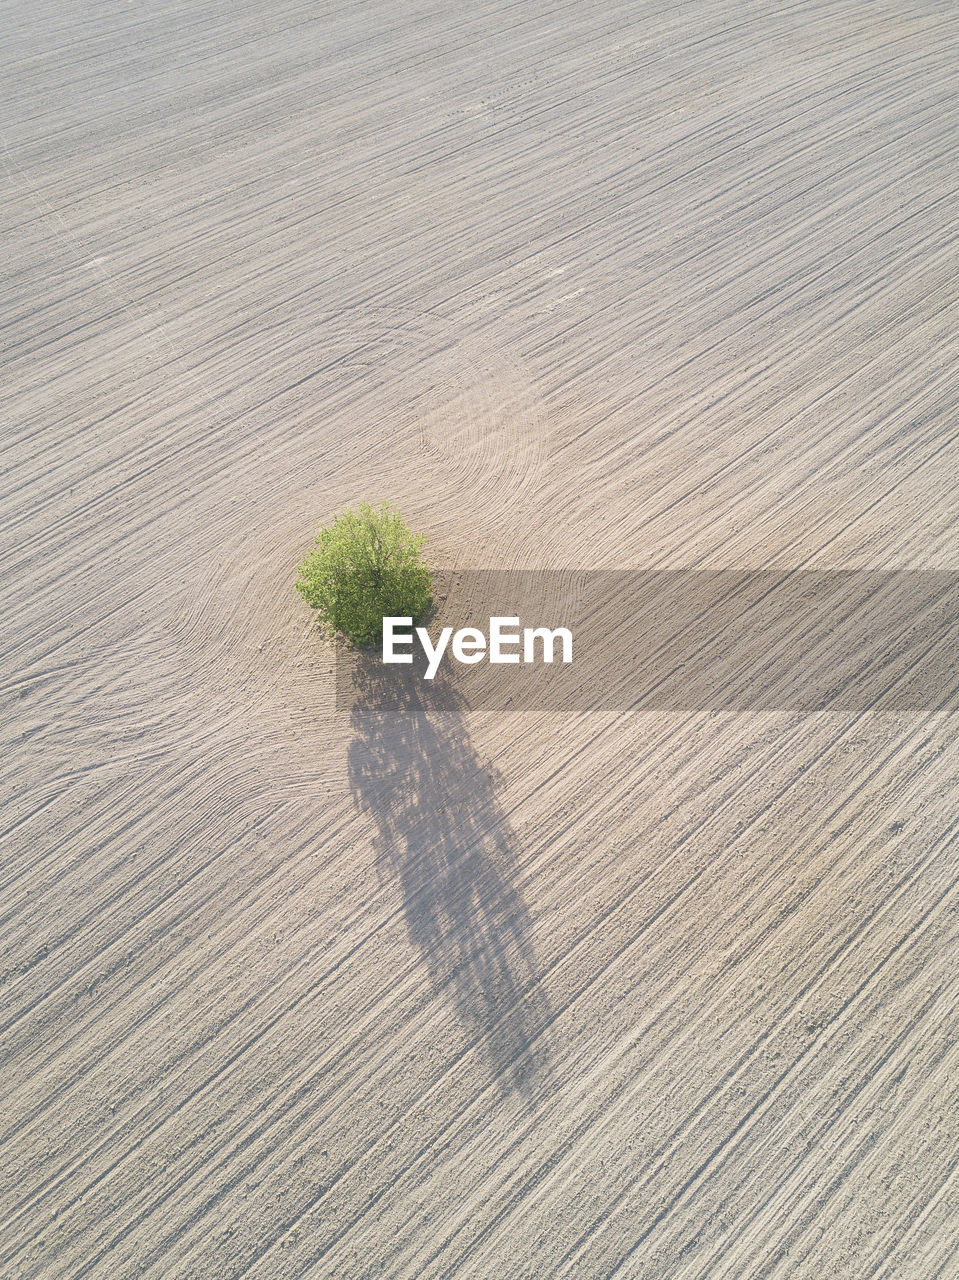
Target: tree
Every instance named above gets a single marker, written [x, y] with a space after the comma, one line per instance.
[365, 567]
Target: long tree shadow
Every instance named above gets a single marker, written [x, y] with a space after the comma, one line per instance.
[443, 836]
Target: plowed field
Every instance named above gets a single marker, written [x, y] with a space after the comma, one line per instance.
[291, 991]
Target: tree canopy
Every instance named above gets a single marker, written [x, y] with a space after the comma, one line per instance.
[364, 567]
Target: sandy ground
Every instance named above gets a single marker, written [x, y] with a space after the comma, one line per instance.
[288, 992]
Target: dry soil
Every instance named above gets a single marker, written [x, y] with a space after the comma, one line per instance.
[291, 992]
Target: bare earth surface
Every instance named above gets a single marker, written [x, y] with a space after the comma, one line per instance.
[288, 992]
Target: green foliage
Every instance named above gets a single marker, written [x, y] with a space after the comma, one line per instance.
[365, 567]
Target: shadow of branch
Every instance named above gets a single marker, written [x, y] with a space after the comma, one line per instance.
[443, 836]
